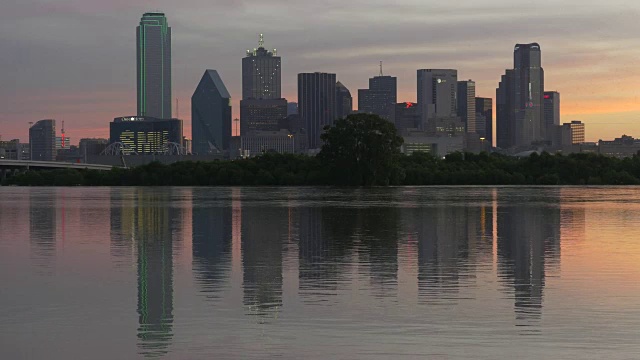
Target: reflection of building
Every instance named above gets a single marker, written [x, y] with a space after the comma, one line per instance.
[152, 219]
[42, 226]
[42, 137]
[379, 228]
[210, 115]
[145, 135]
[211, 227]
[528, 237]
[153, 42]
[318, 270]
[442, 247]
[316, 104]
[262, 236]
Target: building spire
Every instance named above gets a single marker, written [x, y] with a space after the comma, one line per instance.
[380, 68]
[261, 41]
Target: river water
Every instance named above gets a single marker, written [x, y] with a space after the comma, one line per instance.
[320, 273]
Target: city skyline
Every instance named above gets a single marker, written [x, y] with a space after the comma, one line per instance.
[579, 63]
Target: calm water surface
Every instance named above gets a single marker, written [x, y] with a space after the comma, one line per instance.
[316, 273]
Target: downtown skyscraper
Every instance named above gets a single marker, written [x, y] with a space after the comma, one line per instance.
[467, 104]
[380, 98]
[153, 40]
[316, 104]
[261, 73]
[437, 94]
[519, 99]
[210, 115]
[261, 106]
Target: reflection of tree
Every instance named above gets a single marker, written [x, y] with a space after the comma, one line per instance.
[527, 234]
[153, 215]
[42, 226]
[263, 230]
[211, 243]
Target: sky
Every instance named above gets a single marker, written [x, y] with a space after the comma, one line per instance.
[75, 60]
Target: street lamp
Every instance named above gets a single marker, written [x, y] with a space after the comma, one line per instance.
[294, 142]
[482, 143]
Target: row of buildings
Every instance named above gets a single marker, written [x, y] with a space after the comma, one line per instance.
[448, 115]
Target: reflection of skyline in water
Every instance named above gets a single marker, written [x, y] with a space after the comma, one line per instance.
[264, 229]
[212, 234]
[43, 209]
[451, 242]
[528, 241]
[144, 218]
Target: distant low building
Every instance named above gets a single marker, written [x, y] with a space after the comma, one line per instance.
[91, 146]
[14, 150]
[625, 146]
[438, 146]
[407, 116]
[261, 142]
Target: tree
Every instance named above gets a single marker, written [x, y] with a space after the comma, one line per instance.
[361, 149]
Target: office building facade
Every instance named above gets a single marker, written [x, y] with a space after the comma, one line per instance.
[210, 115]
[153, 39]
[316, 104]
[407, 116]
[467, 104]
[145, 135]
[262, 114]
[380, 98]
[484, 111]
[42, 140]
[505, 117]
[261, 73]
[551, 108]
[437, 94]
[344, 101]
[528, 93]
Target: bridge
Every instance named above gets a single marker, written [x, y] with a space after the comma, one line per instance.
[8, 167]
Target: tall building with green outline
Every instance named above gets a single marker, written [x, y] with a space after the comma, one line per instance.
[153, 40]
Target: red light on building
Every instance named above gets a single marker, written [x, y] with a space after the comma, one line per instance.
[547, 96]
[410, 104]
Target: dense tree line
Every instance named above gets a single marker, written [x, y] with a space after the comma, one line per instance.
[359, 150]
[417, 169]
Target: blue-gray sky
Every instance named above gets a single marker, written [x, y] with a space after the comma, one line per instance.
[74, 60]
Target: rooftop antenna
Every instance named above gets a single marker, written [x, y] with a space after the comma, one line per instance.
[380, 68]
[261, 41]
